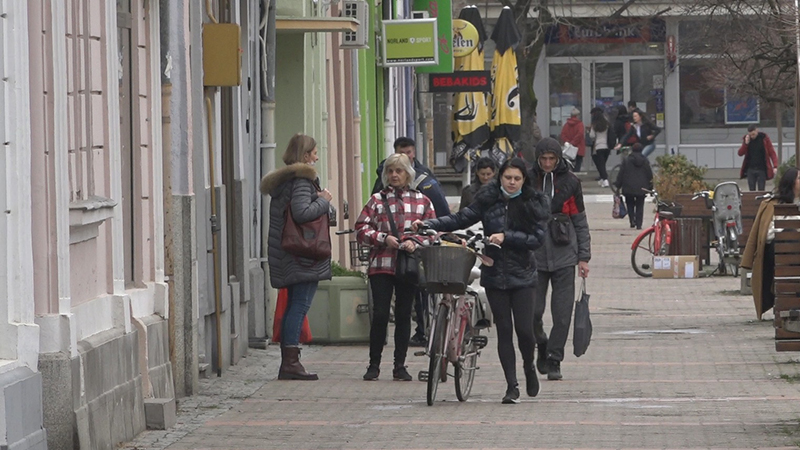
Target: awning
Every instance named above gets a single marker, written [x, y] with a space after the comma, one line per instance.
[315, 24]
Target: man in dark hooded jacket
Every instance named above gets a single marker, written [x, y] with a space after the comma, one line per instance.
[566, 245]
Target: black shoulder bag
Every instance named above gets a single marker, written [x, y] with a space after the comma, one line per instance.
[406, 266]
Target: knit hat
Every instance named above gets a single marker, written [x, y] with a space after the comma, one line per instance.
[575, 112]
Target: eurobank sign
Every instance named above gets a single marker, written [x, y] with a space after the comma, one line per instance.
[410, 42]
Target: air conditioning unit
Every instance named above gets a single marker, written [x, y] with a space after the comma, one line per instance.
[359, 10]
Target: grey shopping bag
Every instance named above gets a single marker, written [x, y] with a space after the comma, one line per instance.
[582, 329]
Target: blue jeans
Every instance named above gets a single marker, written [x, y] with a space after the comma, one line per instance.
[297, 306]
[650, 148]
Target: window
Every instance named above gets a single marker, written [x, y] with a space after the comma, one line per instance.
[702, 101]
[565, 94]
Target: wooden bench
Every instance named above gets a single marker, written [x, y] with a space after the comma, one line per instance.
[697, 209]
[787, 278]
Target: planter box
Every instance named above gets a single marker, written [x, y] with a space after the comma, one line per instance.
[339, 312]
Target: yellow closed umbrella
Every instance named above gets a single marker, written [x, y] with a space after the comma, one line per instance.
[470, 109]
[505, 120]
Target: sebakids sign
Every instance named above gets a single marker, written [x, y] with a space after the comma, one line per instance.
[410, 42]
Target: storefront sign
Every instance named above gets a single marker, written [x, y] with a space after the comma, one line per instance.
[441, 10]
[465, 38]
[410, 42]
[470, 81]
[602, 32]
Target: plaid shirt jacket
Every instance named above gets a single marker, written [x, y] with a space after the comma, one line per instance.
[406, 205]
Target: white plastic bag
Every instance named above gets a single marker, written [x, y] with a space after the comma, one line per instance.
[570, 151]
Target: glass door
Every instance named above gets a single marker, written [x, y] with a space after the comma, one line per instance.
[608, 86]
[565, 93]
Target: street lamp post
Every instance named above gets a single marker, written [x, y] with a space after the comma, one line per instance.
[797, 87]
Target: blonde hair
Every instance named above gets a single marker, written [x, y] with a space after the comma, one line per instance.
[299, 146]
[398, 160]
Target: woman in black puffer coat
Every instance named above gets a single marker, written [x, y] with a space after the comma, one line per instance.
[514, 216]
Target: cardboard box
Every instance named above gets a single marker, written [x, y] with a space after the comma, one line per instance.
[676, 266]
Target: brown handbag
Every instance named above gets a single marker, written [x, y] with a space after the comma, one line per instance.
[310, 240]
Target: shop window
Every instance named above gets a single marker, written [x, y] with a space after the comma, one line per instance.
[565, 94]
[702, 100]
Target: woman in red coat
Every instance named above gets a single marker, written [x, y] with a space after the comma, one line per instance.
[574, 133]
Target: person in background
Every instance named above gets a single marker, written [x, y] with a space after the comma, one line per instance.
[634, 176]
[425, 182]
[760, 159]
[643, 131]
[759, 252]
[514, 217]
[602, 134]
[485, 170]
[296, 188]
[406, 205]
[622, 123]
[559, 254]
[575, 133]
[632, 106]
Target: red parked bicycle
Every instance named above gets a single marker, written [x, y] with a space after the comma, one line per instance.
[655, 240]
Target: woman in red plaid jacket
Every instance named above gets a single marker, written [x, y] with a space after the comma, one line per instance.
[374, 229]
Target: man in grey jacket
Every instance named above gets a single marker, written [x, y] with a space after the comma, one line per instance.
[566, 245]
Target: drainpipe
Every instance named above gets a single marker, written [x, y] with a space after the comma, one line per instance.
[267, 145]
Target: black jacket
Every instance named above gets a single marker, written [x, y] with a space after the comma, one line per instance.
[429, 186]
[634, 175]
[523, 220]
[648, 129]
[620, 128]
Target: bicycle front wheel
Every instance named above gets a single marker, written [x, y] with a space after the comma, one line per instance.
[437, 354]
[465, 368]
[642, 254]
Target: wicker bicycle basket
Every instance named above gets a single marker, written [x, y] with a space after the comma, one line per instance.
[446, 268]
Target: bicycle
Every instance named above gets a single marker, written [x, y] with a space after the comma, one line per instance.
[655, 240]
[726, 205]
[453, 336]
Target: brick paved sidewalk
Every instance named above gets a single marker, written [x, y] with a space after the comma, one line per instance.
[672, 364]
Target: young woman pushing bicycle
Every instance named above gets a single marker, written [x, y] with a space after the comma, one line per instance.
[514, 216]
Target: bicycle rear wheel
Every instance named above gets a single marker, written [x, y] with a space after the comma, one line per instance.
[437, 356]
[465, 368]
[642, 254]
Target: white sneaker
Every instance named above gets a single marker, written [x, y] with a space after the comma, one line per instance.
[604, 183]
[600, 183]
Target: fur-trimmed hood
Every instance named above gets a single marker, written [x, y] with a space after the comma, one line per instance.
[276, 178]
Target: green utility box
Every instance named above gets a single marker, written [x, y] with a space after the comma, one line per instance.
[340, 312]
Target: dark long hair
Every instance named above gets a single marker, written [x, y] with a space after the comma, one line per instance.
[786, 186]
[522, 215]
[516, 163]
[645, 119]
[599, 122]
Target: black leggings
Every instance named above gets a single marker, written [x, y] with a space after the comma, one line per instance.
[513, 310]
[600, 158]
[382, 287]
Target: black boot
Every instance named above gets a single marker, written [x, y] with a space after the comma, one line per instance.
[541, 344]
[291, 369]
[531, 379]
